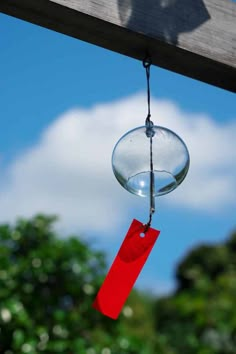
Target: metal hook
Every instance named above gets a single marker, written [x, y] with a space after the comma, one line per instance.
[147, 61]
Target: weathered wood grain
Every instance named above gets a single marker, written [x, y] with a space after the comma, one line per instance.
[196, 38]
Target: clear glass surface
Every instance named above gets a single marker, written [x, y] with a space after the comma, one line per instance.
[131, 161]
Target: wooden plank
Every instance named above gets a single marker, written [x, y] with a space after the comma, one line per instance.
[196, 38]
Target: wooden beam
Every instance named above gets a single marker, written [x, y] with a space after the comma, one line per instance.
[196, 38]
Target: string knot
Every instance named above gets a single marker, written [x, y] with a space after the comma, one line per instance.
[149, 127]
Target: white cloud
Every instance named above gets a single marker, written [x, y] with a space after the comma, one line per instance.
[68, 171]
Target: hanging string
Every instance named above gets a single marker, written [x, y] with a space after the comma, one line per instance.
[147, 65]
[150, 134]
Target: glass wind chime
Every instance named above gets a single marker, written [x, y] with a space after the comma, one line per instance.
[148, 161]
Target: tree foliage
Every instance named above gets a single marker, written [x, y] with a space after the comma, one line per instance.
[201, 316]
[48, 283]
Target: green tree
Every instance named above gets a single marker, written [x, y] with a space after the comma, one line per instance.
[48, 283]
[200, 317]
[47, 286]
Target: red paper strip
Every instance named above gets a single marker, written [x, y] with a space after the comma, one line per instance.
[125, 269]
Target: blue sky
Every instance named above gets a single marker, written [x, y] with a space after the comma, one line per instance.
[64, 104]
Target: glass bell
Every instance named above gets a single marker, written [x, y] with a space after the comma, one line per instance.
[131, 160]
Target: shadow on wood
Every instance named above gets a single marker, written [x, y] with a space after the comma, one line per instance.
[195, 38]
[169, 18]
